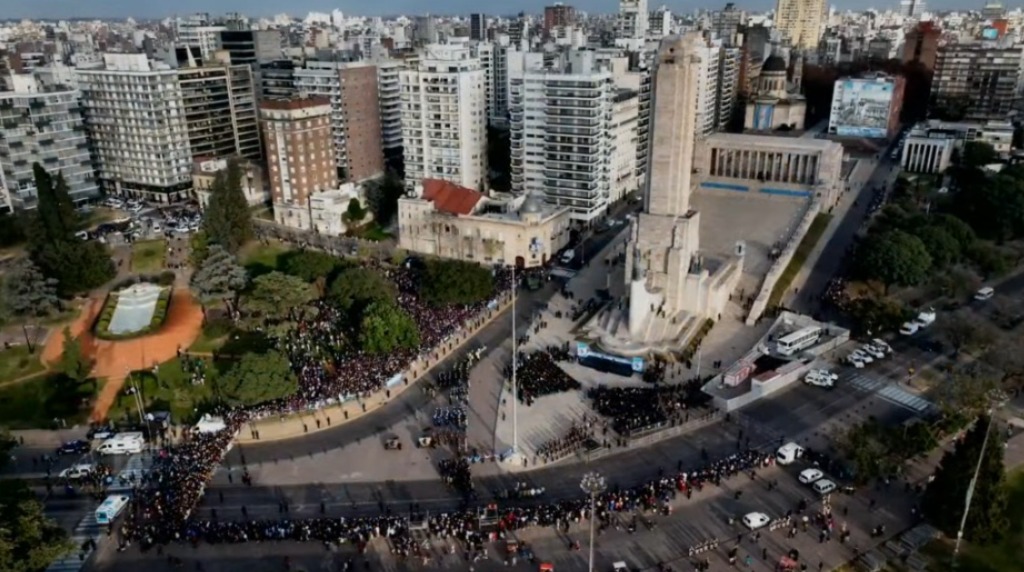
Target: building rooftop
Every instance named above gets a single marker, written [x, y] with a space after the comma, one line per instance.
[761, 141]
[449, 197]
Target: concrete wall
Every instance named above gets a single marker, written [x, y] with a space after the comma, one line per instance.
[775, 272]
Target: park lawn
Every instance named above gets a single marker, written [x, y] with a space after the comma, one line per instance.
[373, 232]
[169, 389]
[17, 363]
[803, 250]
[263, 258]
[148, 256]
[1003, 557]
[36, 402]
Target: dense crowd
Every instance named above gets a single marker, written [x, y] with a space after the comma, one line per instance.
[456, 474]
[572, 440]
[638, 409]
[538, 374]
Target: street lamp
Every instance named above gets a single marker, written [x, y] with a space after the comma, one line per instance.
[970, 490]
[593, 484]
[515, 366]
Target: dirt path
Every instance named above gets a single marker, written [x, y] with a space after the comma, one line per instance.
[115, 359]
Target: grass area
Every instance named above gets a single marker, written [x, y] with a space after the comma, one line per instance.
[1006, 556]
[35, 403]
[372, 231]
[169, 388]
[148, 256]
[17, 362]
[259, 258]
[803, 250]
[215, 333]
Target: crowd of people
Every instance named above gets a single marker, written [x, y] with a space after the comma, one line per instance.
[574, 439]
[456, 474]
[638, 409]
[538, 374]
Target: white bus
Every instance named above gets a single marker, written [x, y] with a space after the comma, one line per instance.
[798, 340]
[111, 507]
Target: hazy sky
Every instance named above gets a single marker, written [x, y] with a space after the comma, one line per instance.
[159, 9]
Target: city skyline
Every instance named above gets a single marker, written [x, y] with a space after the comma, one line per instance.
[56, 9]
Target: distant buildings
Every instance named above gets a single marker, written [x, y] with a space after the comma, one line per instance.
[632, 22]
[478, 26]
[801, 21]
[251, 47]
[775, 104]
[219, 103]
[558, 16]
[444, 124]
[930, 145]
[867, 106]
[977, 82]
[921, 45]
[254, 181]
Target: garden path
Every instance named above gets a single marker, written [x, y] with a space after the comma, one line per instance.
[114, 359]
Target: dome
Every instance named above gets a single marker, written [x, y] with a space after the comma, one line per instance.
[531, 205]
[774, 63]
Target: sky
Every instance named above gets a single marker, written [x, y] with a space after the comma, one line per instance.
[160, 9]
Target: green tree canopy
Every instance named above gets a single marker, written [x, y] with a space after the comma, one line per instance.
[942, 246]
[258, 378]
[382, 196]
[385, 328]
[944, 499]
[219, 279]
[73, 361]
[894, 257]
[311, 265]
[964, 330]
[993, 206]
[27, 293]
[200, 248]
[355, 211]
[29, 541]
[78, 266]
[355, 288]
[958, 229]
[278, 296]
[978, 154]
[446, 282]
[12, 229]
[227, 220]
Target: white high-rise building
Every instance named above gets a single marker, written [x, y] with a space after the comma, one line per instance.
[135, 115]
[389, 90]
[498, 108]
[196, 31]
[46, 127]
[707, 90]
[562, 132]
[632, 20]
[661, 22]
[444, 120]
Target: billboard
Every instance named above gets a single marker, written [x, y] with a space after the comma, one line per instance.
[862, 109]
[583, 350]
[990, 34]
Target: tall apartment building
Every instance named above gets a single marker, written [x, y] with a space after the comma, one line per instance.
[981, 81]
[251, 47]
[220, 110]
[498, 98]
[801, 21]
[389, 89]
[444, 123]
[625, 118]
[352, 89]
[632, 21]
[706, 120]
[661, 22]
[478, 27]
[921, 45]
[558, 16]
[276, 80]
[484, 51]
[135, 116]
[45, 127]
[198, 31]
[725, 23]
[299, 142]
[562, 133]
[727, 93]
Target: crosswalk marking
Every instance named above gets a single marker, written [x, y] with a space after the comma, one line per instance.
[87, 529]
[891, 393]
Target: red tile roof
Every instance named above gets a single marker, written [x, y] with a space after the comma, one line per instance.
[449, 197]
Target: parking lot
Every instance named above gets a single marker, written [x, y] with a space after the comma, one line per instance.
[136, 220]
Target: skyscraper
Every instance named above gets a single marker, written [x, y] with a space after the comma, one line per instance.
[633, 19]
[300, 155]
[477, 26]
[801, 21]
[444, 123]
[220, 110]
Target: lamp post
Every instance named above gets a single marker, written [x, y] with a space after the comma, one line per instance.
[593, 484]
[970, 490]
[515, 363]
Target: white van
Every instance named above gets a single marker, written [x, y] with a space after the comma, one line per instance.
[788, 453]
[984, 294]
[123, 444]
[823, 487]
[111, 508]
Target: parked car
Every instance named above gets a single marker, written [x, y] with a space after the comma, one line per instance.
[808, 476]
[77, 447]
[755, 520]
[873, 351]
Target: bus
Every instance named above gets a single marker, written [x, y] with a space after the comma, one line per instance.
[798, 340]
[111, 507]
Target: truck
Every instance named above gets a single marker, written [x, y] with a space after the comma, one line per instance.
[123, 444]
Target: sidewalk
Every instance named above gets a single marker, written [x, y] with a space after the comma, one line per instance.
[301, 423]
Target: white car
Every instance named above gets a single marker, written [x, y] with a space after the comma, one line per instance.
[873, 351]
[821, 378]
[855, 361]
[755, 520]
[78, 471]
[808, 476]
[823, 486]
[863, 356]
[984, 294]
[909, 328]
[880, 344]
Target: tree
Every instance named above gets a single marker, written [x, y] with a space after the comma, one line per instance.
[29, 295]
[385, 328]
[978, 154]
[956, 228]
[446, 282]
[28, 540]
[311, 265]
[73, 361]
[355, 212]
[965, 330]
[228, 221]
[943, 248]
[354, 289]
[894, 257]
[278, 296]
[12, 229]
[967, 391]
[382, 196]
[944, 499]
[219, 279]
[258, 378]
[199, 244]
